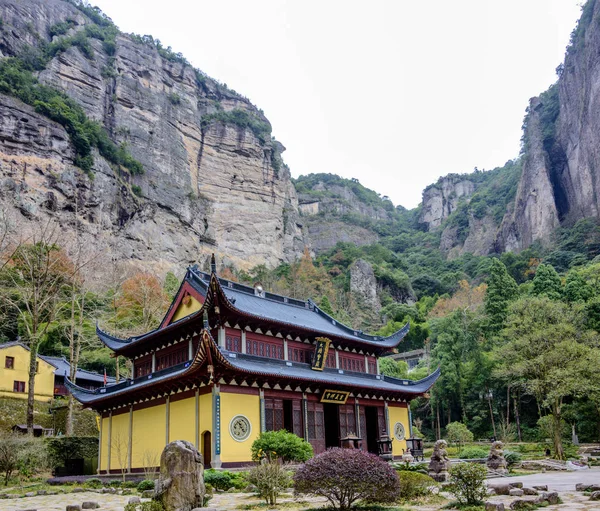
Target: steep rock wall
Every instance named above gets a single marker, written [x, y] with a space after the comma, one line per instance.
[534, 215]
[441, 199]
[206, 188]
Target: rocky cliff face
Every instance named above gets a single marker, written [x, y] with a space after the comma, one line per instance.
[332, 212]
[207, 187]
[534, 215]
[441, 199]
[560, 183]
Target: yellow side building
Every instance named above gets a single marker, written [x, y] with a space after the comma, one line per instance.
[14, 373]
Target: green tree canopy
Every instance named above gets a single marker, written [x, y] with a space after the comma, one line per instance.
[547, 282]
[547, 353]
[501, 290]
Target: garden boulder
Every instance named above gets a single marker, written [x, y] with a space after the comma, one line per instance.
[180, 485]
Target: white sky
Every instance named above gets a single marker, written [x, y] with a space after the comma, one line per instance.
[393, 92]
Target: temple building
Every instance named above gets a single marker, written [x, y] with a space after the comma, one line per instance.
[229, 361]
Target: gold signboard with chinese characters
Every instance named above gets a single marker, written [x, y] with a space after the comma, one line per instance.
[335, 396]
[321, 350]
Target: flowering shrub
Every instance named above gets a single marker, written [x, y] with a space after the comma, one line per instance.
[344, 476]
[281, 444]
[467, 483]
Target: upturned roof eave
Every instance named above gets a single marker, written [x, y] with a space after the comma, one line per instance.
[97, 398]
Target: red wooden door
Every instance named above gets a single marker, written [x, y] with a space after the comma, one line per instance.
[316, 426]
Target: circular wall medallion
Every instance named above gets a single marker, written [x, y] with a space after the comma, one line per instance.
[399, 431]
[240, 428]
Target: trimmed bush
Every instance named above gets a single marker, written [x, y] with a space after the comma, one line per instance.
[224, 480]
[93, 483]
[467, 483]
[512, 458]
[281, 444]
[344, 476]
[414, 484]
[144, 485]
[470, 453]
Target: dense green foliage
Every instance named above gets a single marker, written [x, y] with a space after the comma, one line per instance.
[467, 483]
[414, 484]
[224, 479]
[61, 449]
[281, 444]
[241, 118]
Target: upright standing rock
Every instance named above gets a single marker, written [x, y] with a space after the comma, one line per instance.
[180, 485]
[496, 459]
[439, 464]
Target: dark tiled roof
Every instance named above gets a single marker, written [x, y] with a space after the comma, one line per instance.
[282, 309]
[63, 368]
[89, 396]
[300, 371]
[248, 364]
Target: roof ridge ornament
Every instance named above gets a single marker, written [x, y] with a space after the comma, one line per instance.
[213, 264]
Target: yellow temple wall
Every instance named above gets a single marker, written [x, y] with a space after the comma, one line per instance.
[182, 420]
[238, 404]
[149, 435]
[103, 461]
[184, 310]
[398, 413]
[119, 442]
[205, 423]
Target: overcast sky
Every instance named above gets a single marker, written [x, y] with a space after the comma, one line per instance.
[393, 92]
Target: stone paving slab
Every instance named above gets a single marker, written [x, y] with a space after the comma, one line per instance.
[572, 501]
[108, 502]
[556, 481]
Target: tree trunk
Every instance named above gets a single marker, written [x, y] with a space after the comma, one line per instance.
[559, 453]
[31, 385]
[517, 419]
[508, 406]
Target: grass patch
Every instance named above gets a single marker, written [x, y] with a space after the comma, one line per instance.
[464, 507]
[280, 505]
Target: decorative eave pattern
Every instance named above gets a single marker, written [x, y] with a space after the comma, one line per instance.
[221, 364]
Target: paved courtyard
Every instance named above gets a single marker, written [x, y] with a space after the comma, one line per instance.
[563, 482]
[107, 502]
[556, 481]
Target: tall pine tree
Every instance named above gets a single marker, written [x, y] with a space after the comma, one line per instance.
[547, 282]
[502, 289]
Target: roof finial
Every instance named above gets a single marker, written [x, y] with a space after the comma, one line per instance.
[213, 264]
[206, 327]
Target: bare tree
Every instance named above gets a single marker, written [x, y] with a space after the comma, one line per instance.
[34, 277]
[121, 447]
[150, 461]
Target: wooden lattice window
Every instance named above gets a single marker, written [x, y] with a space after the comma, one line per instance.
[264, 349]
[347, 420]
[233, 343]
